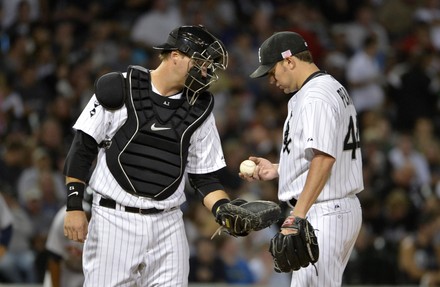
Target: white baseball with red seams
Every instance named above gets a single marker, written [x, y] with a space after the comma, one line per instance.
[247, 167]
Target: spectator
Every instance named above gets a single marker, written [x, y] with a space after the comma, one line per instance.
[415, 95]
[429, 12]
[398, 219]
[364, 77]
[150, 28]
[237, 267]
[5, 226]
[426, 141]
[390, 10]
[35, 94]
[419, 253]
[12, 116]
[49, 136]
[65, 256]
[410, 169]
[17, 265]
[16, 54]
[23, 22]
[41, 174]
[205, 264]
[364, 25]
[10, 10]
[41, 215]
[13, 160]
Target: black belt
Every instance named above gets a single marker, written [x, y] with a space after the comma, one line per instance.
[110, 203]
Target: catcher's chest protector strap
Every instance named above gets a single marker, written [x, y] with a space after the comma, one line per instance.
[148, 154]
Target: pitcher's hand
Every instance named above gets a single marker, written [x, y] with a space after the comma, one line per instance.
[264, 170]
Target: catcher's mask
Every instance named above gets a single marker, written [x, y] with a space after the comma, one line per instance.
[206, 52]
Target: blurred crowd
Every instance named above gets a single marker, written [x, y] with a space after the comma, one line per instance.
[386, 52]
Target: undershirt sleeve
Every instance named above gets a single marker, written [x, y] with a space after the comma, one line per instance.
[82, 153]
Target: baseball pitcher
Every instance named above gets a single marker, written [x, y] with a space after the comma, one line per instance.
[320, 166]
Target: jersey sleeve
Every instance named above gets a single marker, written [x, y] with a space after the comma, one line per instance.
[93, 120]
[205, 153]
[319, 120]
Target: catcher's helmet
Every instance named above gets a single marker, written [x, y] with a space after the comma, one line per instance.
[204, 49]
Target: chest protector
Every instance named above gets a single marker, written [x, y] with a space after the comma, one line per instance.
[148, 154]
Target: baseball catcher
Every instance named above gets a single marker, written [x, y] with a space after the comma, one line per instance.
[239, 217]
[295, 246]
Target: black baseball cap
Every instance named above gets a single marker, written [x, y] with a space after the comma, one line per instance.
[276, 48]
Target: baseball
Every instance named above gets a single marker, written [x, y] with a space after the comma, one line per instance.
[247, 167]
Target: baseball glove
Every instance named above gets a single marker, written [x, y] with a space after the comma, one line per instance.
[239, 217]
[295, 250]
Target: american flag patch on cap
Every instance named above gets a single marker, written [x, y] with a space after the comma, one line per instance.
[286, 54]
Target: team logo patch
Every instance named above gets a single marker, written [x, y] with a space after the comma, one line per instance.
[287, 140]
[155, 129]
[93, 111]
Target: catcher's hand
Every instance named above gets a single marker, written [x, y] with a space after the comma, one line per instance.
[296, 249]
[239, 217]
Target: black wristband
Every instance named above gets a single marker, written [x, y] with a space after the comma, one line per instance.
[75, 194]
[217, 204]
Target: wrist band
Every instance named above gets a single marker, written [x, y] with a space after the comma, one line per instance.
[75, 194]
[217, 204]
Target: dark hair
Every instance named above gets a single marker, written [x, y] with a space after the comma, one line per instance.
[305, 56]
[164, 54]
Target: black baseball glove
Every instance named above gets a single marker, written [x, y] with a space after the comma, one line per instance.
[292, 251]
[239, 217]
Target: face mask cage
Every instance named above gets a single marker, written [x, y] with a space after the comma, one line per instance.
[203, 72]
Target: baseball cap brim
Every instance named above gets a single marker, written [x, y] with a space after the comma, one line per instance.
[262, 70]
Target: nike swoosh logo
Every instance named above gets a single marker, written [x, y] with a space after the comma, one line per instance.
[73, 193]
[155, 129]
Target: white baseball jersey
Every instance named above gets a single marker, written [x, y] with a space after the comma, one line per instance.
[321, 116]
[151, 250]
[70, 251]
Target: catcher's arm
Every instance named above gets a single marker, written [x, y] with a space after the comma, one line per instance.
[217, 196]
[75, 220]
[209, 188]
[77, 166]
[214, 202]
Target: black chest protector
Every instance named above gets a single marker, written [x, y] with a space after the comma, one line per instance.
[148, 154]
